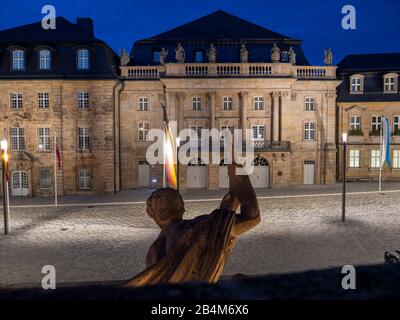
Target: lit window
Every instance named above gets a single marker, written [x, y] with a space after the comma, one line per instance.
[142, 103]
[354, 159]
[258, 132]
[18, 60]
[16, 100]
[375, 158]
[227, 103]
[376, 122]
[355, 123]
[309, 130]
[44, 60]
[309, 104]
[196, 103]
[83, 100]
[83, 59]
[43, 100]
[356, 84]
[85, 179]
[198, 56]
[45, 178]
[396, 159]
[396, 124]
[389, 84]
[143, 130]
[17, 139]
[258, 103]
[83, 139]
[44, 139]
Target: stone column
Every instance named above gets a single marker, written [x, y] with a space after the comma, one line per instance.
[243, 104]
[275, 116]
[211, 97]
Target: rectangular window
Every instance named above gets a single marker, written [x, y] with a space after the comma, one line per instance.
[44, 139]
[17, 139]
[196, 132]
[227, 103]
[355, 123]
[223, 132]
[18, 60]
[143, 130]
[45, 178]
[83, 100]
[396, 124]
[396, 159]
[196, 103]
[375, 158]
[376, 122]
[43, 100]
[83, 139]
[258, 103]
[258, 132]
[198, 56]
[356, 85]
[143, 104]
[389, 84]
[354, 159]
[16, 100]
[309, 104]
[83, 59]
[309, 131]
[44, 60]
[85, 179]
[156, 56]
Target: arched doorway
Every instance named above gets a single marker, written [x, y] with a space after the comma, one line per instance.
[260, 176]
[196, 174]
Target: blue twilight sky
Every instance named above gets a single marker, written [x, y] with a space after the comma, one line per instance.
[316, 22]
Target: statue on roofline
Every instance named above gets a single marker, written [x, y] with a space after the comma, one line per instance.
[180, 54]
[163, 56]
[244, 54]
[275, 53]
[328, 57]
[124, 58]
[212, 54]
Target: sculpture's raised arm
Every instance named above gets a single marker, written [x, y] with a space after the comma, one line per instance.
[241, 193]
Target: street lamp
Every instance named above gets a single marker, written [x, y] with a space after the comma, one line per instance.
[4, 161]
[344, 162]
[178, 144]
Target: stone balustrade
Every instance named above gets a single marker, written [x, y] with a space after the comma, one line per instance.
[229, 70]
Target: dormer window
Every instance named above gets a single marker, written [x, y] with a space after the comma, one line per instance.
[390, 82]
[357, 84]
[156, 56]
[198, 56]
[18, 60]
[83, 59]
[44, 59]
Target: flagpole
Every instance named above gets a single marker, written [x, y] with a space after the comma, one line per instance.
[55, 170]
[380, 158]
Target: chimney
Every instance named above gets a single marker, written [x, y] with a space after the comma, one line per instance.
[86, 24]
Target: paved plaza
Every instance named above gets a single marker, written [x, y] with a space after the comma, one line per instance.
[105, 238]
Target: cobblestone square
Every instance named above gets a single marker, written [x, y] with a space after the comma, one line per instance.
[106, 238]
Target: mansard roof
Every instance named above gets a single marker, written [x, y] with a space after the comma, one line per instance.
[226, 31]
[219, 25]
[370, 62]
[63, 43]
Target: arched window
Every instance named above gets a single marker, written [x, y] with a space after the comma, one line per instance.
[83, 59]
[18, 59]
[44, 59]
[260, 162]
